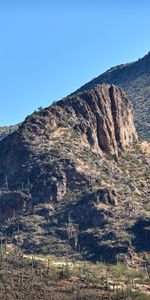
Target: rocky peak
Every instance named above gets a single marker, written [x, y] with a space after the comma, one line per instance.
[105, 116]
[134, 79]
[44, 156]
[101, 116]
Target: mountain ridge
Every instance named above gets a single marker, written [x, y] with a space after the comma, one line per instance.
[134, 79]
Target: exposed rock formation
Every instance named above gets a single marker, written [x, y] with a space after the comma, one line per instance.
[134, 78]
[93, 209]
[106, 118]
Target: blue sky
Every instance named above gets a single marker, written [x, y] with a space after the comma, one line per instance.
[48, 49]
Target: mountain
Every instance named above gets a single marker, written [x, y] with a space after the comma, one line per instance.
[74, 179]
[97, 121]
[5, 130]
[134, 79]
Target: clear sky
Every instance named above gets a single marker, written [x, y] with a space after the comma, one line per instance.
[49, 48]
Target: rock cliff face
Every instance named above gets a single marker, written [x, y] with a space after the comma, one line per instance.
[107, 118]
[101, 119]
[134, 79]
[59, 172]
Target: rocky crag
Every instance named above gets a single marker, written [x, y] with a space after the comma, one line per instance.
[134, 79]
[70, 181]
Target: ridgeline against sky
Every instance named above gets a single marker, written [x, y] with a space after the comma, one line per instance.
[50, 48]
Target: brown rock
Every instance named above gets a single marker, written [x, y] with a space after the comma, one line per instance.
[105, 116]
[134, 79]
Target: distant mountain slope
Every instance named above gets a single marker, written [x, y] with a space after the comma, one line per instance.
[134, 78]
[5, 130]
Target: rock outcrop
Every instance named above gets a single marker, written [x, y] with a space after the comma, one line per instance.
[106, 118]
[134, 79]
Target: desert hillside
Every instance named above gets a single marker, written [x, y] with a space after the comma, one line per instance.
[74, 179]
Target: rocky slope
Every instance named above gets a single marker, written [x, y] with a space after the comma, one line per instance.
[100, 120]
[134, 78]
[70, 180]
[5, 130]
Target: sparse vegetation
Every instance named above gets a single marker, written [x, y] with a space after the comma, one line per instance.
[46, 276]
